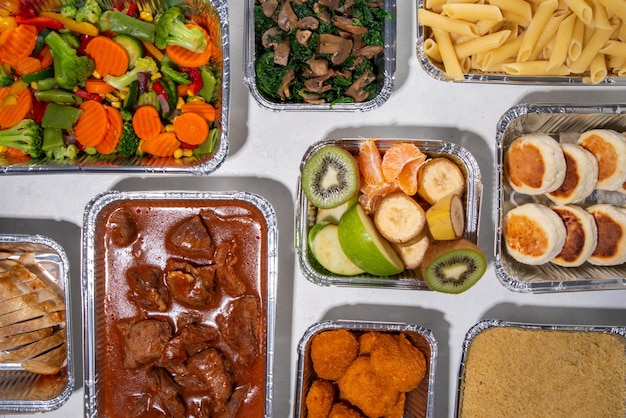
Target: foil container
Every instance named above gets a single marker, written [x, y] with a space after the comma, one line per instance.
[420, 402]
[564, 123]
[385, 63]
[497, 323]
[409, 279]
[197, 165]
[20, 390]
[95, 283]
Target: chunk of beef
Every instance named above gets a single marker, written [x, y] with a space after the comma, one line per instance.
[191, 340]
[144, 340]
[214, 370]
[166, 393]
[225, 260]
[122, 227]
[147, 290]
[189, 284]
[241, 328]
[232, 407]
[190, 238]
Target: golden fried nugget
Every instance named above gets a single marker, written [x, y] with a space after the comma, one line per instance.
[332, 351]
[367, 390]
[398, 361]
[397, 410]
[366, 342]
[341, 410]
[320, 398]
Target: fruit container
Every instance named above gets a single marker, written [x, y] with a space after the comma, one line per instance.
[383, 66]
[475, 72]
[202, 11]
[565, 358]
[408, 279]
[419, 402]
[142, 243]
[564, 123]
[47, 387]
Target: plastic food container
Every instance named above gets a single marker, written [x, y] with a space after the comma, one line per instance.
[384, 63]
[409, 279]
[197, 165]
[419, 402]
[24, 391]
[213, 292]
[565, 123]
[559, 353]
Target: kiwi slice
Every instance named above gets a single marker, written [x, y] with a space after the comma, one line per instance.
[330, 177]
[453, 266]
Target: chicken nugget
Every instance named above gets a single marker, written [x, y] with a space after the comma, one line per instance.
[332, 351]
[361, 386]
[397, 410]
[341, 410]
[366, 342]
[398, 361]
[320, 398]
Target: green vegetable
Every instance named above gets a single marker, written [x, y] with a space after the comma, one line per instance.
[143, 64]
[172, 95]
[6, 79]
[38, 76]
[52, 138]
[70, 70]
[269, 76]
[130, 102]
[26, 136]
[208, 146]
[46, 84]
[69, 10]
[208, 84]
[127, 147]
[122, 24]
[167, 68]
[68, 152]
[171, 30]
[60, 116]
[89, 12]
[58, 96]
[148, 98]
[132, 46]
[71, 39]
[41, 40]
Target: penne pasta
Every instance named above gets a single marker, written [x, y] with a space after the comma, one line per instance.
[600, 16]
[472, 12]
[614, 48]
[616, 62]
[448, 57]
[590, 50]
[504, 52]
[562, 41]
[536, 26]
[548, 32]
[533, 68]
[597, 69]
[582, 10]
[576, 43]
[618, 7]
[482, 44]
[520, 8]
[446, 24]
[431, 49]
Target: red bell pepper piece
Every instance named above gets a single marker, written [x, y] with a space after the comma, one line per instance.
[195, 78]
[159, 89]
[85, 95]
[39, 108]
[39, 21]
[132, 10]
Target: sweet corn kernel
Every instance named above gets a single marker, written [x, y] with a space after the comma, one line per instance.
[179, 103]
[96, 74]
[3, 148]
[178, 153]
[33, 85]
[169, 128]
[122, 94]
[146, 15]
[156, 76]
[117, 105]
[187, 152]
[111, 97]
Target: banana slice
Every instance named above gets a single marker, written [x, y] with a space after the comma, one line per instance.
[412, 253]
[399, 218]
[438, 178]
[609, 148]
[581, 238]
[446, 218]
[580, 178]
[611, 222]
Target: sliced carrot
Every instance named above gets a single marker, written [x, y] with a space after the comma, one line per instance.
[147, 123]
[112, 137]
[206, 110]
[28, 65]
[109, 56]
[163, 145]
[19, 43]
[92, 125]
[15, 153]
[45, 57]
[153, 50]
[11, 114]
[191, 128]
[93, 85]
[187, 58]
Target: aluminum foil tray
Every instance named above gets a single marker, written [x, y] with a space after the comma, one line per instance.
[197, 165]
[385, 64]
[20, 390]
[409, 279]
[563, 122]
[420, 402]
[242, 218]
[493, 324]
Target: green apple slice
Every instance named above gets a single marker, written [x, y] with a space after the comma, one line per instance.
[323, 241]
[333, 215]
[364, 245]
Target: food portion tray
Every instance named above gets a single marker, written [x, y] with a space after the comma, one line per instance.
[565, 123]
[200, 269]
[24, 391]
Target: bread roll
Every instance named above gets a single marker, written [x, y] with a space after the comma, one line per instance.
[609, 148]
[534, 233]
[535, 164]
[581, 238]
[611, 224]
[581, 175]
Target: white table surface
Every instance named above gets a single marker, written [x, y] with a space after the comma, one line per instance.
[265, 152]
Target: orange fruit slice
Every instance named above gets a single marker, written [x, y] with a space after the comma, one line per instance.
[397, 157]
[407, 179]
[370, 162]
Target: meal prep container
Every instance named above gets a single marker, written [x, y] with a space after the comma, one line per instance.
[22, 391]
[420, 402]
[563, 122]
[201, 165]
[409, 279]
[385, 64]
[487, 324]
[251, 212]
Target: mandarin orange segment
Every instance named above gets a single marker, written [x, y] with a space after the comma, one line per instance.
[397, 157]
[407, 179]
[370, 162]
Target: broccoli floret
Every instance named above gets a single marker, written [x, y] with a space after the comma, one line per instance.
[69, 10]
[70, 70]
[127, 147]
[69, 152]
[6, 79]
[171, 30]
[178, 76]
[127, 116]
[26, 136]
[142, 65]
[89, 12]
